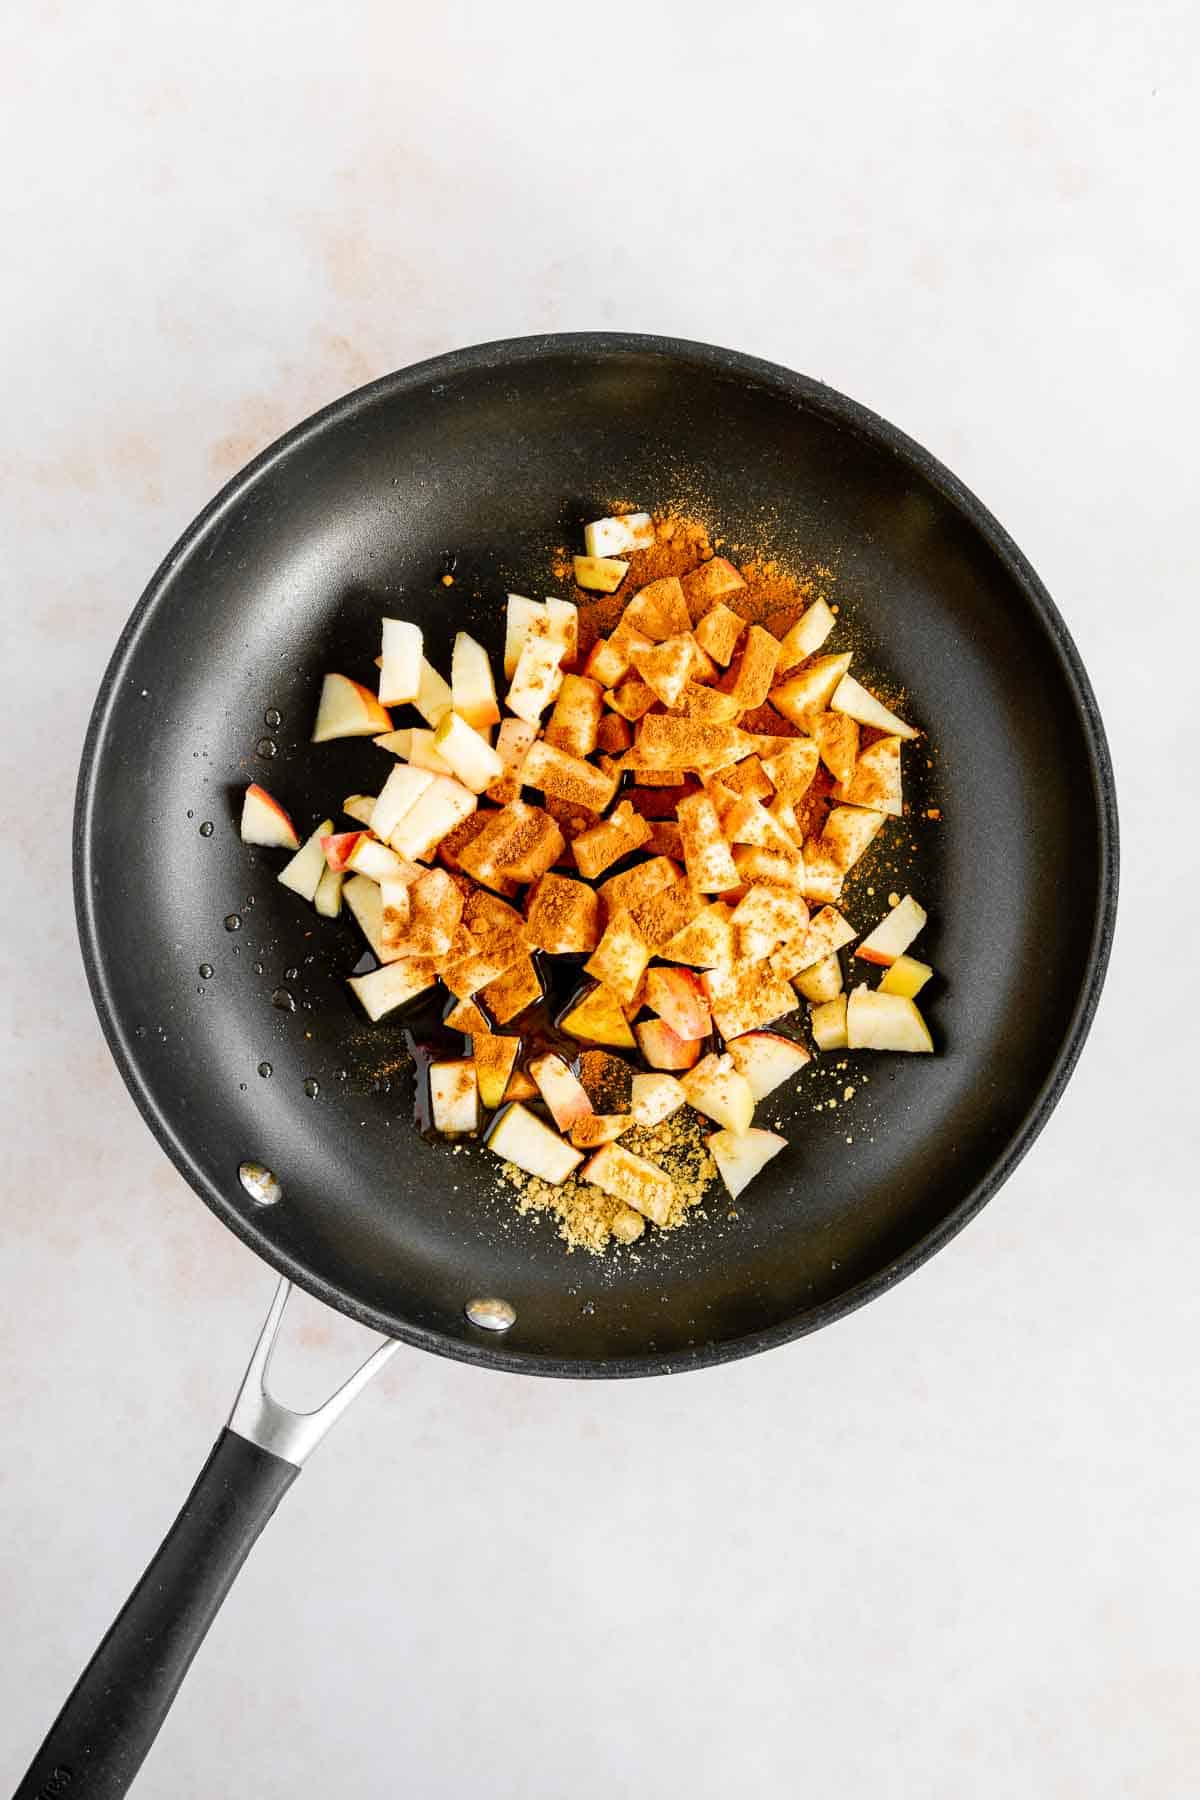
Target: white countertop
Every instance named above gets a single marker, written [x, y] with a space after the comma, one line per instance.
[947, 1547]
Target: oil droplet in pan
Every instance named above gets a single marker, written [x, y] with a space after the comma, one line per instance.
[272, 717]
[312, 1088]
[265, 747]
[233, 922]
[206, 830]
[265, 1070]
[283, 1001]
[205, 971]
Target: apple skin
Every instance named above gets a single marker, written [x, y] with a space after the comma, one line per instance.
[339, 847]
[347, 709]
[664, 1048]
[767, 1059]
[678, 998]
[265, 823]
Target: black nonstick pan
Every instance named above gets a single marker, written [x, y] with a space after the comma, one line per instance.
[477, 464]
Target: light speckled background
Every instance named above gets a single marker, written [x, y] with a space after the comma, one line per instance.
[946, 1548]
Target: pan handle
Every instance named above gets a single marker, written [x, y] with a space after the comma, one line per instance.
[97, 1744]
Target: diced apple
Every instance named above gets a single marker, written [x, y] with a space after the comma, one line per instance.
[766, 918]
[602, 845]
[562, 622]
[776, 868]
[659, 610]
[568, 777]
[718, 1089]
[836, 737]
[828, 1022]
[494, 1059]
[632, 699]
[613, 734]
[635, 886]
[710, 866]
[538, 674]
[739, 1158]
[366, 907]
[619, 959]
[414, 745]
[807, 635]
[707, 706]
[820, 981]
[666, 667]
[876, 1021]
[791, 769]
[766, 1059]
[599, 574]
[392, 986]
[616, 537]
[337, 846]
[303, 874]
[520, 1137]
[677, 996]
[906, 976]
[704, 669]
[855, 700]
[328, 897]
[378, 862]
[706, 941]
[563, 916]
[633, 1179]
[512, 742]
[433, 697]
[518, 843]
[521, 617]
[892, 936]
[360, 807]
[827, 932]
[435, 910]
[599, 1128]
[265, 822]
[666, 742]
[454, 1097]
[875, 779]
[805, 695]
[400, 673]
[575, 721]
[560, 1089]
[472, 687]
[848, 832]
[437, 812]
[664, 1048]
[608, 659]
[655, 1097]
[755, 668]
[514, 992]
[718, 631]
[597, 1017]
[400, 792]
[712, 582]
[824, 878]
[747, 997]
[347, 709]
[660, 916]
[471, 758]
[519, 1085]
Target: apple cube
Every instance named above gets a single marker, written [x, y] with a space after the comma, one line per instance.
[400, 792]
[347, 709]
[906, 976]
[655, 1097]
[566, 777]
[828, 1022]
[635, 886]
[707, 941]
[494, 1059]
[677, 997]
[400, 663]
[599, 574]
[599, 1128]
[613, 734]
[666, 667]
[616, 537]
[666, 742]
[718, 631]
[633, 1179]
[774, 868]
[848, 832]
[766, 918]
[766, 1059]
[791, 769]
[602, 845]
[521, 617]
[472, 688]
[662, 915]
[563, 916]
[597, 1017]
[454, 1097]
[824, 878]
[717, 1088]
[471, 758]
[807, 635]
[755, 668]
[658, 610]
[836, 737]
[620, 958]
[892, 936]
[512, 743]
[575, 721]
[747, 779]
[820, 981]
[375, 860]
[433, 697]
[265, 822]
[746, 997]
[665, 839]
[608, 659]
[707, 706]
[711, 583]
[518, 843]
[520, 1137]
[710, 866]
[562, 622]
[438, 810]
[803, 696]
[851, 698]
[435, 909]
[303, 873]
[396, 910]
[664, 1048]
[512, 993]
[360, 807]
[538, 674]
[876, 1021]
[739, 1158]
[875, 780]
[328, 897]
[519, 1085]
[366, 908]
[561, 1090]
[392, 986]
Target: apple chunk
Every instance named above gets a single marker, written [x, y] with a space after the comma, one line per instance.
[520, 1137]
[303, 874]
[347, 709]
[561, 1090]
[876, 1021]
[906, 976]
[472, 686]
[470, 756]
[633, 1179]
[495, 1057]
[766, 1059]
[664, 1048]
[438, 810]
[740, 1156]
[614, 537]
[851, 698]
[598, 1018]
[400, 792]
[892, 936]
[828, 1023]
[433, 698]
[677, 996]
[600, 574]
[265, 822]
[328, 897]
[718, 1089]
[655, 1097]
[393, 985]
[400, 663]
[454, 1097]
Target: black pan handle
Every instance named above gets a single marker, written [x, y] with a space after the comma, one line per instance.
[101, 1737]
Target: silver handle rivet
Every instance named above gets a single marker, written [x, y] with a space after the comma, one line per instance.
[263, 1187]
[491, 1315]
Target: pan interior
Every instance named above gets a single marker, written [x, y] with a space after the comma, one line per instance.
[494, 457]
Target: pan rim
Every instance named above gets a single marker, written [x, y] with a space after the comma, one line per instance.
[850, 414]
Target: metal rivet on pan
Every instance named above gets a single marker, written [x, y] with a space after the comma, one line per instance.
[263, 1187]
[491, 1315]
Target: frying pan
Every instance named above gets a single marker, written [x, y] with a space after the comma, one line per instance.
[476, 464]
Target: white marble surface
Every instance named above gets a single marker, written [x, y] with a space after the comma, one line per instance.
[946, 1548]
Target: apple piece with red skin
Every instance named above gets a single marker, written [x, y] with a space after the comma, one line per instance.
[892, 936]
[562, 1091]
[347, 709]
[656, 1095]
[664, 1048]
[741, 1156]
[678, 998]
[520, 1137]
[767, 1060]
[375, 860]
[338, 846]
[876, 1021]
[303, 873]
[265, 823]
[472, 685]
[717, 1088]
